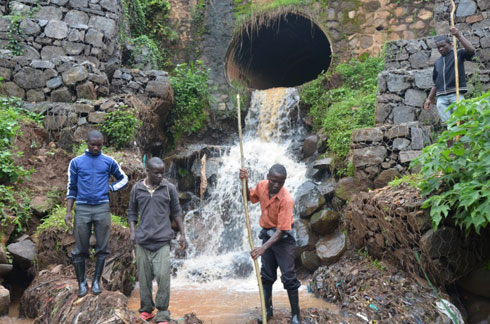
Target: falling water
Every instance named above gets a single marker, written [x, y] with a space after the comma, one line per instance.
[217, 231]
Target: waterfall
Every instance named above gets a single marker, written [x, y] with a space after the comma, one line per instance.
[217, 230]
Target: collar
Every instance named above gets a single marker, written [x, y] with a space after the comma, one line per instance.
[87, 152]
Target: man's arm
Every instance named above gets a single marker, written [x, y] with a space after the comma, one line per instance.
[431, 96]
[180, 225]
[118, 173]
[71, 192]
[177, 214]
[466, 43]
[132, 212]
[244, 175]
[259, 251]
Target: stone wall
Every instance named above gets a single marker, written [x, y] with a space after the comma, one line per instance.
[407, 80]
[470, 14]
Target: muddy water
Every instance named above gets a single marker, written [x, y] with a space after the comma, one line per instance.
[225, 302]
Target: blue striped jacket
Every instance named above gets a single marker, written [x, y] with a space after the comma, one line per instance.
[88, 178]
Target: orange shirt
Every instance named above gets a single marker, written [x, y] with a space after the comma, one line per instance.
[276, 212]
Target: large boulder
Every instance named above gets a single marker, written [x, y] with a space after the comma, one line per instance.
[309, 260]
[23, 253]
[331, 247]
[4, 301]
[308, 199]
[325, 221]
[305, 239]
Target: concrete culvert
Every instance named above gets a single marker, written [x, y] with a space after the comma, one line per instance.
[277, 50]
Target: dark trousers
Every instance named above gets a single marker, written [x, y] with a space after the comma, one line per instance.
[282, 255]
[86, 216]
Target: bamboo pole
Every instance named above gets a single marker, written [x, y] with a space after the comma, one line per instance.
[247, 217]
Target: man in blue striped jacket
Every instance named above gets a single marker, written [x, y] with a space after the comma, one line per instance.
[88, 185]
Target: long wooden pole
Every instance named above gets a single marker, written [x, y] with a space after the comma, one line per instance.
[455, 50]
[247, 217]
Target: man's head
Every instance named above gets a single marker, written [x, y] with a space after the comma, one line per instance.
[443, 44]
[276, 176]
[155, 169]
[95, 141]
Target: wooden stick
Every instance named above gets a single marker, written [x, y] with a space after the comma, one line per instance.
[247, 217]
[455, 50]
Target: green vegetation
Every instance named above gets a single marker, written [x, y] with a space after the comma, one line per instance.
[120, 127]
[412, 179]
[456, 178]
[244, 8]
[192, 98]
[339, 109]
[15, 207]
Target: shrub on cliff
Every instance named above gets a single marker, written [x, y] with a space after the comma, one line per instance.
[456, 178]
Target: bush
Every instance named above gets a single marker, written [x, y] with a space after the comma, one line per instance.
[338, 111]
[192, 95]
[456, 178]
[121, 127]
[14, 203]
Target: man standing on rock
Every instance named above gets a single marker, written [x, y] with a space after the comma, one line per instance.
[278, 240]
[444, 76]
[156, 201]
[88, 185]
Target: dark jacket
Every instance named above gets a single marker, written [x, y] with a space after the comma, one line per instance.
[88, 178]
[155, 211]
[443, 74]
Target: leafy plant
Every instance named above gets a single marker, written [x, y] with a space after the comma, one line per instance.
[455, 173]
[192, 96]
[121, 126]
[14, 203]
[56, 219]
[339, 107]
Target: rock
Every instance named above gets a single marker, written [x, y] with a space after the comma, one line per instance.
[29, 27]
[50, 52]
[96, 117]
[29, 78]
[48, 13]
[86, 90]
[78, 3]
[397, 82]
[323, 163]
[3, 254]
[327, 188]
[367, 135]
[466, 8]
[56, 29]
[483, 4]
[403, 114]
[212, 168]
[331, 247]
[61, 95]
[308, 199]
[12, 89]
[309, 146]
[41, 205]
[75, 74]
[73, 48]
[105, 25]
[400, 144]
[309, 260]
[325, 221]
[397, 131]
[407, 156]
[158, 88]
[82, 107]
[80, 134]
[111, 5]
[417, 138]
[423, 79]
[242, 265]
[5, 270]
[415, 98]
[4, 301]
[23, 253]
[94, 37]
[477, 282]
[55, 122]
[39, 64]
[373, 155]
[304, 237]
[348, 187]
[55, 83]
[419, 60]
[35, 95]
[5, 73]
[385, 177]
[74, 17]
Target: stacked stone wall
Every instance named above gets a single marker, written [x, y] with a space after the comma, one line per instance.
[469, 15]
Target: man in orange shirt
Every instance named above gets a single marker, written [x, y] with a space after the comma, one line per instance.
[278, 240]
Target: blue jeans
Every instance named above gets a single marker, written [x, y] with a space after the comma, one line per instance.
[443, 102]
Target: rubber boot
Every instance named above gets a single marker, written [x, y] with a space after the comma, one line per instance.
[99, 267]
[268, 302]
[294, 302]
[79, 265]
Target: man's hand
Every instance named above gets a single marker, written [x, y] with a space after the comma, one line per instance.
[455, 31]
[258, 251]
[182, 242]
[132, 237]
[68, 218]
[243, 174]
[427, 104]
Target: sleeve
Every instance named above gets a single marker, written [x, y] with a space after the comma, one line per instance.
[71, 187]
[133, 206]
[464, 55]
[285, 216]
[174, 202]
[434, 75]
[254, 196]
[118, 173]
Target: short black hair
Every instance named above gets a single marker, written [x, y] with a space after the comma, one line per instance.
[278, 169]
[94, 134]
[443, 39]
[155, 162]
